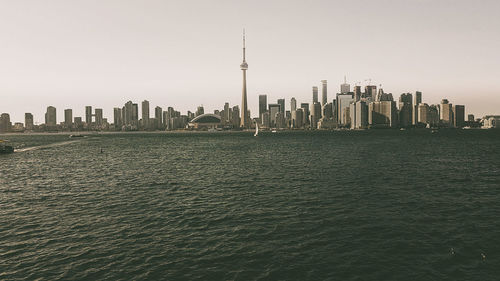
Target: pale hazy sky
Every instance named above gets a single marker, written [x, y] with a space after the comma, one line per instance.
[187, 53]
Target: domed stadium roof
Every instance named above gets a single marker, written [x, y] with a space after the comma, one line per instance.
[207, 118]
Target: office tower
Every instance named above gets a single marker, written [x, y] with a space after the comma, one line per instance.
[324, 92]
[315, 94]
[200, 110]
[158, 117]
[433, 115]
[281, 102]
[273, 110]
[423, 113]
[382, 114]
[343, 101]
[99, 120]
[371, 92]
[135, 114]
[470, 118]
[28, 121]
[346, 115]
[145, 114]
[326, 111]
[5, 124]
[446, 113]
[305, 115]
[381, 96]
[235, 119]
[245, 119]
[361, 115]
[357, 93]
[293, 104]
[117, 118]
[315, 114]
[418, 100]
[127, 113]
[227, 113]
[297, 118]
[345, 88]
[262, 104]
[88, 115]
[50, 117]
[459, 116]
[406, 110]
[68, 117]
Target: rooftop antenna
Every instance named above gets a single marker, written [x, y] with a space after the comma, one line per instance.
[243, 44]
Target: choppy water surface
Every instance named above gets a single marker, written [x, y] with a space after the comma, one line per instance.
[371, 205]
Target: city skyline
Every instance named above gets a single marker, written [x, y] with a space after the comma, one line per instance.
[71, 62]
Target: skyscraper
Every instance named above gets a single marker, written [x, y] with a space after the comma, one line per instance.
[418, 100]
[262, 104]
[345, 88]
[459, 116]
[117, 118]
[406, 110]
[88, 115]
[68, 117]
[343, 101]
[28, 121]
[324, 93]
[281, 102]
[273, 110]
[50, 117]
[446, 113]
[245, 119]
[315, 94]
[145, 114]
[5, 124]
[99, 120]
[293, 104]
[158, 117]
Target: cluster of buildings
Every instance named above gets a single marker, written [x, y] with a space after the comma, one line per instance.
[358, 108]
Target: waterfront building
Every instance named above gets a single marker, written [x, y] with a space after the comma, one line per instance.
[315, 114]
[406, 110]
[99, 120]
[158, 117]
[117, 118]
[145, 114]
[423, 114]
[78, 123]
[235, 119]
[281, 102]
[50, 117]
[382, 114]
[326, 111]
[359, 115]
[274, 108]
[88, 115]
[305, 115]
[458, 116]
[245, 118]
[315, 94]
[28, 121]
[418, 100]
[470, 118]
[135, 114]
[345, 88]
[491, 121]
[262, 104]
[293, 104]
[343, 101]
[68, 118]
[433, 115]
[5, 123]
[297, 118]
[324, 92]
[446, 113]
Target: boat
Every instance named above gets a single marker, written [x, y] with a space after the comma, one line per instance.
[4, 148]
[273, 131]
[256, 130]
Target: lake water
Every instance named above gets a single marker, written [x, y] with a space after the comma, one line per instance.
[351, 205]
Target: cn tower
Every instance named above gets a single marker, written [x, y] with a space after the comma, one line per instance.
[245, 119]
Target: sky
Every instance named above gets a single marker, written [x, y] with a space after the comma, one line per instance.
[187, 53]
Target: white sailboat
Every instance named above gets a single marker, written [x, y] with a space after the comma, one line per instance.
[256, 130]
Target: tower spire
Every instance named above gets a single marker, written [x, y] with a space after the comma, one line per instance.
[243, 44]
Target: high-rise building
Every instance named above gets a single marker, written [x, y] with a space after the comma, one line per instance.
[305, 115]
[50, 117]
[28, 121]
[382, 114]
[315, 114]
[273, 110]
[423, 114]
[245, 118]
[293, 104]
[459, 116]
[417, 101]
[99, 119]
[5, 124]
[324, 92]
[315, 94]
[470, 118]
[200, 110]
[446, 113]
[68, 117]
[406, 110]
[88, 115]
[135, 114]
[297, 118]
[281, 102]
[345, 88]
[357, 93]
[235, 119]
[145, 114]
[359, 115]
[370, 92]
[343, 101]
[262, 104]
[158, 117]
[117, 118]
